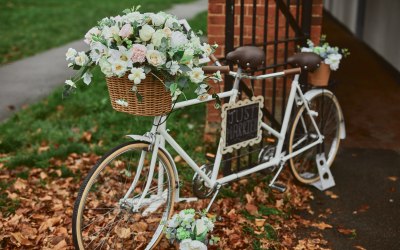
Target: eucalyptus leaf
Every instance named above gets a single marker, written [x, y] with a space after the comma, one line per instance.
[184, 68]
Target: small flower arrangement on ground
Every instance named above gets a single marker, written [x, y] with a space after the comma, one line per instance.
[137, 45]
[191, 230]
[330, 55]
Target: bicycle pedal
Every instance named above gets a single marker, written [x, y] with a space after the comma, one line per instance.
[278, 187]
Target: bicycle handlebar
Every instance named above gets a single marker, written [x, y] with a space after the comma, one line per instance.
[213, 69]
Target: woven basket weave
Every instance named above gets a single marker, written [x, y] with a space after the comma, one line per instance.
[156, 99]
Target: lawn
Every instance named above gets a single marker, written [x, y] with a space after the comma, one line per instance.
[34, 26]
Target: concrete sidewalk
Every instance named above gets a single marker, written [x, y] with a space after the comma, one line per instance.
[30, 79]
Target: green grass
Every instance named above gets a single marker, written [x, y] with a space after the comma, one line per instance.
[199, 22]
[30, 26]
[60, 125]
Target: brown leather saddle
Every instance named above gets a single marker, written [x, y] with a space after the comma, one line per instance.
[252, 57]
[308, 61]
[247, 57]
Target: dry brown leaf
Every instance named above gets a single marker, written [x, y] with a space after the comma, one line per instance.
[322, 225]
[346, 231]
[123, 233]
[20, 184]
[49, 223]
[177, 158]
[331, 194]
[86, 136]
[359, 247]
[61, 245]
[21, 239]
[260, 222]
[393, 178]
[252, 209]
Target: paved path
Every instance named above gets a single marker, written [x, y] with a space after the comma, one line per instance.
[28, 80]
[367, 168]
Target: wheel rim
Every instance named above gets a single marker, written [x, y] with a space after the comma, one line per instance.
[304, 165]
[104, 220]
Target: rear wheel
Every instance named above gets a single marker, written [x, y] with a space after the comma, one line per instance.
[303, 132]
[111, 211]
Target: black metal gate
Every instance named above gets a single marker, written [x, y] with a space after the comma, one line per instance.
[291, 24]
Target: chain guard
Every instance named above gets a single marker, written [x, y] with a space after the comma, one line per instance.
[200, 190]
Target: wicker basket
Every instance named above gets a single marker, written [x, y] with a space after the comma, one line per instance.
[156, 100]
[320, 77]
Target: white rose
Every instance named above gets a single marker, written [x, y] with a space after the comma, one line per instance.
[157, 19]
[305, 49]
[81, 59]
[90, 33]
[146, 33]
[71, 53]
[157, 37]
[119, 67]
[196, 75]
[167, 31]
[109, 32]
[170, 22]
[178, 39]
[105, 67]
[206, 48]
[174, 221]
[155, 57]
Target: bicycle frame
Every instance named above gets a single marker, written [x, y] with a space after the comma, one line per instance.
[161, 136]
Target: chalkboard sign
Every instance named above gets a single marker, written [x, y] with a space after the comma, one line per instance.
[241, 124]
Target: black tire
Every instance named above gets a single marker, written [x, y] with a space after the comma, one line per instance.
[103, 219]
[304, 165]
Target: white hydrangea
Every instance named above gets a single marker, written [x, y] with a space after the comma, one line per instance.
[178, 39]
[170, 22]
[133, 17]
[157, 19]
[173, 67]
[90, 33]
[206, 48]
[189, 244]
[333, 60]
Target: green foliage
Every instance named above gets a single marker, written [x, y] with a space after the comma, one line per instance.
[199, 22]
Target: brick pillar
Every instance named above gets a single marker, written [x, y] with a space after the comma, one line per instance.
[216, 34]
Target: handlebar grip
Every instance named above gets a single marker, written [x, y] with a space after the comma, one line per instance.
[213, 69]
[292, 71]
[213, 58]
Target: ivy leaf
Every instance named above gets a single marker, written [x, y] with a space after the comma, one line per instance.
[139, 96]
[146, 69]
[183, 82]
[184, 68]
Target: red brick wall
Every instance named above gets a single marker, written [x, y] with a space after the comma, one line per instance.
[216, 34]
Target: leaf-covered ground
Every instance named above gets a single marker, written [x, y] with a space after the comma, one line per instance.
[250, 215]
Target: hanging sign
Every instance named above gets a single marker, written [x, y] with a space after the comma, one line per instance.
[241, 124]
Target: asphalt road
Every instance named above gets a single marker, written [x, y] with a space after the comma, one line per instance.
[367, 168]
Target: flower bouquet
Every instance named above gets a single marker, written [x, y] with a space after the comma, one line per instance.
[190, 230]
[147, 59]
[331, 58]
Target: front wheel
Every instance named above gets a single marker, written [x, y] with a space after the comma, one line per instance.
[303, 132]
[113, 212]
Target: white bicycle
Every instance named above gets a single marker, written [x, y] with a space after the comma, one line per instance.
[129, 194]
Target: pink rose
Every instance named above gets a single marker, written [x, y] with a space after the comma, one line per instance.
[139, 53]
[126, 31]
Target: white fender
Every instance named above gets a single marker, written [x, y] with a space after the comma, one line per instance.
[314, 92]
[147, 139]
